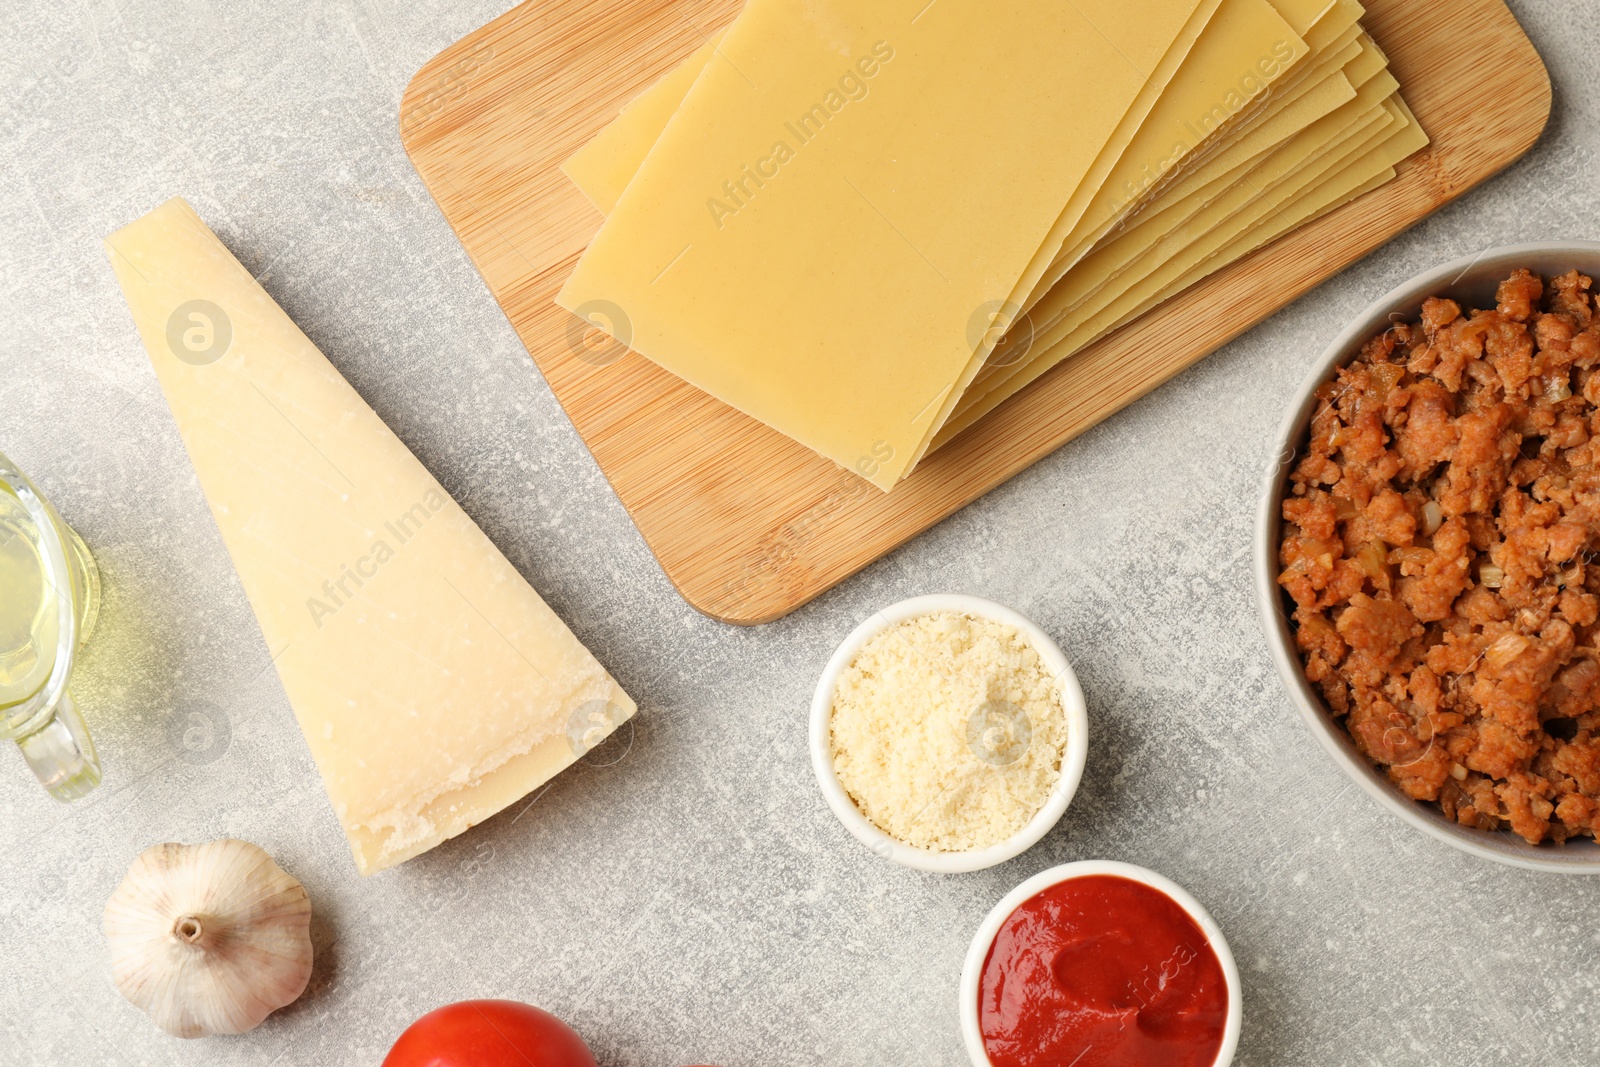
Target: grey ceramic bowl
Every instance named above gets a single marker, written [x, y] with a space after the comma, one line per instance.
[1471, 282]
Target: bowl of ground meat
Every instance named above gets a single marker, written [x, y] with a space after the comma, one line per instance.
[1428, 554]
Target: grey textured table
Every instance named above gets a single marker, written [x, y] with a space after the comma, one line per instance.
[683, 896]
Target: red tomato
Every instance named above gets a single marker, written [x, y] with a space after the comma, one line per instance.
[489, 1033]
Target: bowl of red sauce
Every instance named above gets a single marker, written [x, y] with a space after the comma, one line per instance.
[1097, 963]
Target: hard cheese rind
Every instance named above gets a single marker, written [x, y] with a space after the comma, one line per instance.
[433, 685]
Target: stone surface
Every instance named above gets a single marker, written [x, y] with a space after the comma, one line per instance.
[683, 896]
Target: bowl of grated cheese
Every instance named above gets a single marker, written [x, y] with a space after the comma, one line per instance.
[948, 733]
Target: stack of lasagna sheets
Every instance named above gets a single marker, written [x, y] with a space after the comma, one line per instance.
[869, 222]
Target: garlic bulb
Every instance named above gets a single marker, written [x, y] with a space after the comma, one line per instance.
[209, 939]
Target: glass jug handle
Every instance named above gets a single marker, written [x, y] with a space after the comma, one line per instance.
[61, 753]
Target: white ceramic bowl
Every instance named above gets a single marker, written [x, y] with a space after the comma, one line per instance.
[1072, 759]
[972, 971]
[1471, 282]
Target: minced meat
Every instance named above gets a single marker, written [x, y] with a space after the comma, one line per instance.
[1442, 551]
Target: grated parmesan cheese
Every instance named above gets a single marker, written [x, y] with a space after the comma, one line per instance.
[948, 731]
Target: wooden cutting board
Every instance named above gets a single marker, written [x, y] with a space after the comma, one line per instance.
[746, 523]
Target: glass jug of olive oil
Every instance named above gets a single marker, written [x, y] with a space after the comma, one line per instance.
[49, 599]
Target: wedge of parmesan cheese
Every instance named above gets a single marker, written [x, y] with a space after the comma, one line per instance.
[433, 685]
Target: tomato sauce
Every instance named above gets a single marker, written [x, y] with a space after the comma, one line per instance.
[1101, 971]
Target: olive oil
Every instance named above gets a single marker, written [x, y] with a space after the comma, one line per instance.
[28, 616]
[49, 599]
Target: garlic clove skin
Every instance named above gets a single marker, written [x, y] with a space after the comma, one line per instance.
[209, 939]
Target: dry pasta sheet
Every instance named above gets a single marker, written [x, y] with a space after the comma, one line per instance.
[863, 308]
[847, 187]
